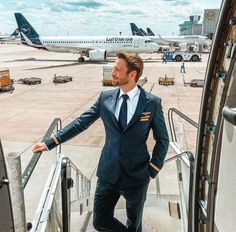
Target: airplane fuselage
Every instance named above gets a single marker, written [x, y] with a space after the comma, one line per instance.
[190, 39]
[112, 44]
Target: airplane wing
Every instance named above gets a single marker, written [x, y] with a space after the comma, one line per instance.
[169, 42]
[76, 50]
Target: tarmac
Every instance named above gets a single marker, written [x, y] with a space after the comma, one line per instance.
[27, 112]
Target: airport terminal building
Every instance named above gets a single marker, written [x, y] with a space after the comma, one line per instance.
[207, 27]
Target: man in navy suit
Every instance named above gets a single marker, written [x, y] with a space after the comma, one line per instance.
[125, 165]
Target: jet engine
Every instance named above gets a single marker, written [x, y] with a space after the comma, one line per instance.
[98, 54]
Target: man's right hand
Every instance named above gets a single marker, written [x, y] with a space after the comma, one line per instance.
[39, 147]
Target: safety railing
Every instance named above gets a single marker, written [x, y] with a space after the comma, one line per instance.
[185, 167]
[54, 127]
[77, 200]
[50, 208]
[185, 172]
[61, 194]
[181, 118]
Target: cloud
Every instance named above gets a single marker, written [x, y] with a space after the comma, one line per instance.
[87, 4]
[102, 17]
[178, 2]
[136, 12]
[181, 3]
[73, 6]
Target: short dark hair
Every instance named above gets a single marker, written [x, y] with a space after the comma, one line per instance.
[133, 62]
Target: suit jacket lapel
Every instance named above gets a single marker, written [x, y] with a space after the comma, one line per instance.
[142, 102]
[111, 100]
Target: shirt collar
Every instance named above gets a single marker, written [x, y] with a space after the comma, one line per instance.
[131, 93]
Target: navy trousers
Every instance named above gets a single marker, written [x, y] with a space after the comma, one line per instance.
[106, 197]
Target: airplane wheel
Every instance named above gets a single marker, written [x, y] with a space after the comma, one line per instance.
[81, 59]
[195, 58]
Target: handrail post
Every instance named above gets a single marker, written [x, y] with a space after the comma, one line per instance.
[13, 165]
[181, 133]
[190, 200]
[64, 195]
[78, 186]
[158, 188]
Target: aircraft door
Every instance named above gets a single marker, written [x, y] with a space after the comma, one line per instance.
[136, 42]
[226, 190]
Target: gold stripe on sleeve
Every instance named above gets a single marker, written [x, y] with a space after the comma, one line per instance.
[55, 139]
[154, 167]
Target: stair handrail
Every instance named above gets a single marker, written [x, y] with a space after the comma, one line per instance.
[171, 121]
[181, 155]
[56, 124]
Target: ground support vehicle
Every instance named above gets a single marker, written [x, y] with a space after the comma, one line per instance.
[181, 56]
[197, 83]
[62, 79]
[166, 80]
[6, 84]
[30, 81]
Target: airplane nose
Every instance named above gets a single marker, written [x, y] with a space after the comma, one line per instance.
[156, 46]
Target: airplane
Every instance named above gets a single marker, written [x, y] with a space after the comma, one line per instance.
[149, 32]
[10, 37]
[135, 30]
[144, 32]
[96, 48]
[176, 41]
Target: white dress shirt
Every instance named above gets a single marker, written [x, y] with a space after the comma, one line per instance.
[132, 102]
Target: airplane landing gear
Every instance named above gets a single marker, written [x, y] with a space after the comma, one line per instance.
[81, 59]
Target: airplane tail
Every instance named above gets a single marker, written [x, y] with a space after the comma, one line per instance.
[149, 32]
[135, 30]
[28, 34]
[15, 33]
[143, 32]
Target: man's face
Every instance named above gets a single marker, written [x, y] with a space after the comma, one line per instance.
[119, 73]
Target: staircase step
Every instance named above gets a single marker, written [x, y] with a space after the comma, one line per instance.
[120, 214]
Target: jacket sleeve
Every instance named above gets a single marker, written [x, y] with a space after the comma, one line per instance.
[75, 127]
[162, 141]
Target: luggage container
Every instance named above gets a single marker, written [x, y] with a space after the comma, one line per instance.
[107, 77]
[5, 81]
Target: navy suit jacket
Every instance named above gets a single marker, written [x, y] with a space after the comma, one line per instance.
[125, 156]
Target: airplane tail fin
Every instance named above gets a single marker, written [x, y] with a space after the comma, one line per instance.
[15, 33]
[143, 32]
[135, 30]
[28, 34]
[149, 32]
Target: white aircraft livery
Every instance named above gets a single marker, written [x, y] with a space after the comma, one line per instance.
[97, 48]
[171, 40]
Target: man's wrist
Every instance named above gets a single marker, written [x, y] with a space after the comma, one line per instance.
[46, 146]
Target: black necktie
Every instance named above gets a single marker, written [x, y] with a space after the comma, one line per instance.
[123, 112]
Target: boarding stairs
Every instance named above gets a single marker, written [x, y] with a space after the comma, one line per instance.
[66, 200]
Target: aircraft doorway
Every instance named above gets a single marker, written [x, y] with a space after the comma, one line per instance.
[136, 42]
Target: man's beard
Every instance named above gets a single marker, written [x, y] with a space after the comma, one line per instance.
[118, 82]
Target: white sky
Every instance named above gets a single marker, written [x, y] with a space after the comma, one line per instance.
[101, 17]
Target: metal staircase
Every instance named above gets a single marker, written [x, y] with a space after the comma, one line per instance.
[66, 200]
